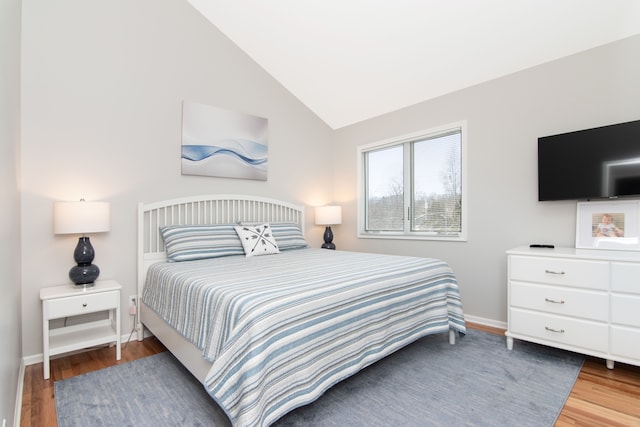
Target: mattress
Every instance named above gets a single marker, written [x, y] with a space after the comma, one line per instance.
[281, 329]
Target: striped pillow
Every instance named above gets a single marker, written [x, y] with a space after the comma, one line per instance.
[288, 236]
[191, 242]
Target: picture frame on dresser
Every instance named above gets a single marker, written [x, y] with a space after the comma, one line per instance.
[609, 225]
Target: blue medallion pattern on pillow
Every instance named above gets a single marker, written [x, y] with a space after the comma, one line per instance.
[257, 239]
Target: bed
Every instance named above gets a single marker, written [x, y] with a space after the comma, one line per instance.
[266, 334]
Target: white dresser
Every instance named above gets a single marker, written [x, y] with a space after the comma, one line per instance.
[583, 300]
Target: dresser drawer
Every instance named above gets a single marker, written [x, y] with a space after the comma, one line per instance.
[625, 310]
[560, 271]
[593, 305]
[89, 303]
[625, 342]
[564, 330]
[625, 277]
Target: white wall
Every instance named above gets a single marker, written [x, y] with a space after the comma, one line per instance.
[103, 85]
[10, 325]
[504, 117]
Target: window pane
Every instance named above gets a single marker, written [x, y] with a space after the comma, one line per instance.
[384, 189]
[412, 186]
[437, 185]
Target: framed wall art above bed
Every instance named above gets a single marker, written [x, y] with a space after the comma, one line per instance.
[219, 142]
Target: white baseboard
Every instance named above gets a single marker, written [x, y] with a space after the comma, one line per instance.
[486, 322]
[39, 358]
[19, 391]
[33, 359]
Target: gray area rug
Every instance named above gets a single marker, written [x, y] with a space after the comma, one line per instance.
[476, 382]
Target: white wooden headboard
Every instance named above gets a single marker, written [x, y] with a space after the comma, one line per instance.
[207, 209]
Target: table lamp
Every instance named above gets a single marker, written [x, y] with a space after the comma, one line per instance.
[328, 215]
[82, 218]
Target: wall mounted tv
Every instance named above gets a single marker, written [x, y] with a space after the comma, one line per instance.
[596, 163]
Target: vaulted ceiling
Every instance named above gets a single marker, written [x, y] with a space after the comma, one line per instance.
[351, 60]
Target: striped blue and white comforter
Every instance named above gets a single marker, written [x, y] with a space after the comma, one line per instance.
[281, 329]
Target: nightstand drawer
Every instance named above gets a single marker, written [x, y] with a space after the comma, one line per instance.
[75, 305]
[578, 273]
[592, 305]
[564, 330]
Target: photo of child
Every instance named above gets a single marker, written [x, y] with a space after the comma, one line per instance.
[606, 225]
[610, 225]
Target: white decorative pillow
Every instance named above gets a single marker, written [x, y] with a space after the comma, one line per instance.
[288, 235]
[257, 239]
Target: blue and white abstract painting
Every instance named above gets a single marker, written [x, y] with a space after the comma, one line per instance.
[223, 143]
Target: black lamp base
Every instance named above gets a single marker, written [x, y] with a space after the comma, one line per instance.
[328, 237]
[84, 273]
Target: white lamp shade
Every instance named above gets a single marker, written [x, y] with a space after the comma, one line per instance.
[328, 215]
[80, 217]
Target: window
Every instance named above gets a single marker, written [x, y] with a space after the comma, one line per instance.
[412, 186]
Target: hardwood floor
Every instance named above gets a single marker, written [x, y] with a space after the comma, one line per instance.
[38, 404]
[600, 397]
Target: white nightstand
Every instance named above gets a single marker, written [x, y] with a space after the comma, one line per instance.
[71, 300]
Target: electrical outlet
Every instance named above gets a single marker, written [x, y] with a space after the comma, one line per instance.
[133, 309]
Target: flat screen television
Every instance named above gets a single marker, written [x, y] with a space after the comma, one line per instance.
[596, 163]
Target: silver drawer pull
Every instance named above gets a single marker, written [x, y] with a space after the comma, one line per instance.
[554, 301]
[84, 304]
[554, 272]
[560, 331]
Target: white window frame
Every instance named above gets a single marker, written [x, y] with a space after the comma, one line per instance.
[400, 140]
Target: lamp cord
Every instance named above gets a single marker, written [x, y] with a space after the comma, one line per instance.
[133, 329]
